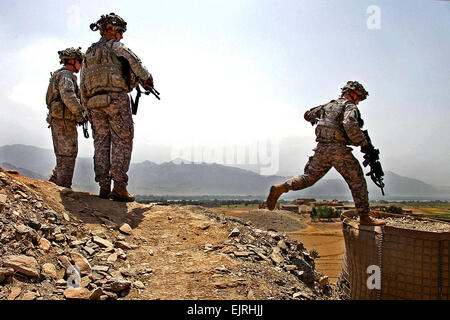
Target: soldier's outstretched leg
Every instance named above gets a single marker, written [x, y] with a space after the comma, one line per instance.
[317, 166]
[348, 166]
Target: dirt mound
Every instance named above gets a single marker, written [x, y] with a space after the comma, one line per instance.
[58, 243]
[279, 220]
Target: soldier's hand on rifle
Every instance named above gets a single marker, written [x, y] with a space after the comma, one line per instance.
[80, 118]
[148, 84]
[366, 149]
[86, 117]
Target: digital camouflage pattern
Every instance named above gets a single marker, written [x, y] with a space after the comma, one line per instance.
[355, 87]
[65, 145]
[113, 133]
[339, 124]
[70, 53]
[63, 96]
[110, 66]
[338, 121]
[341, 158]
[111, 70]
[65, 111]
[110, 21]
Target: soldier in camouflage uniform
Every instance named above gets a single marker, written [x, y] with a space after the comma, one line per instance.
[65, 112]
[110, 71]
[339, 124]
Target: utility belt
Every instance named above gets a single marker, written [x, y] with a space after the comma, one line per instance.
[102, 100]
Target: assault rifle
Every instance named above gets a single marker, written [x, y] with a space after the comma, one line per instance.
[135, 103]
[85, 126]
[371, 158]
[85, 129]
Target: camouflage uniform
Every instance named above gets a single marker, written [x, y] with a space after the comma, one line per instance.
[339, 124]
[111, 70]
[63, 101]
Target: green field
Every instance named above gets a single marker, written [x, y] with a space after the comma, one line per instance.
[434, 210]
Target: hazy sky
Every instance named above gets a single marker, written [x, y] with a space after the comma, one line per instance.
[244, 72]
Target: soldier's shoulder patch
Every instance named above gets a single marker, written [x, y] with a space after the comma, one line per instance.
[68, 83]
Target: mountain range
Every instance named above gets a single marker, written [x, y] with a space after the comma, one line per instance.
[194, 179]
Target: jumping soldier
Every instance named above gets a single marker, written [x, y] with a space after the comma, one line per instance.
[65, 112]
[110, 71]
[339, 124]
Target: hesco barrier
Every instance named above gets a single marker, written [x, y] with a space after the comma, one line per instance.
[409, 264]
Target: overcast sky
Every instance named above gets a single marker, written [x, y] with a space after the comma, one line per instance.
[244, 72]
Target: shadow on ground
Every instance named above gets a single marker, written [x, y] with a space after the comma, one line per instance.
[91, 209]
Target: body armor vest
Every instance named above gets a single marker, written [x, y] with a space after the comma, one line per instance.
[330, 127]
[103, 71]
[57, 108]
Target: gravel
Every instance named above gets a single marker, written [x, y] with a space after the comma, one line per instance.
[415, 224]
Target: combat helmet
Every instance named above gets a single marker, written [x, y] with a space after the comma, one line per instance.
[109, 21]
[357, 88]
[70, 53]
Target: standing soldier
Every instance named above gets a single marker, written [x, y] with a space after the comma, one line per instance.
[110, 71]
[339, 124]
[65, 112]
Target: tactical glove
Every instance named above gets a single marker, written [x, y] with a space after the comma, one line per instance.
[148, 84]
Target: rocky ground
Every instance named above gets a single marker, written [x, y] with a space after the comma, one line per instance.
[58, 243]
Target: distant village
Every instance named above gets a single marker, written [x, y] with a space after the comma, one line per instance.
[305, 206]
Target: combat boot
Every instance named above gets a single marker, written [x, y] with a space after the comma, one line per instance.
[105, 192]
[65, 181]
[53, 179]
[121, 194]
[275, 192]
[366, 220]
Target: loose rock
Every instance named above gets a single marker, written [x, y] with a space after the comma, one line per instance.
[15, 292]
[77, 293]
[125, 228]
[23, 264]
[96, 294]
[234, 233]
[102, 242]
[116, 285]
[44, 244]
[81, 262]
[49, 270]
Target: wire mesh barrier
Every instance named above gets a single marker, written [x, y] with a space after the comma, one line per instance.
[391, 263]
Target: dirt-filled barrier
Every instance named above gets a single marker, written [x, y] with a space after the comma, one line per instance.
[408, 258]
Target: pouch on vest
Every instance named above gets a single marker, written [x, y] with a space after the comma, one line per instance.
[99, 101]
